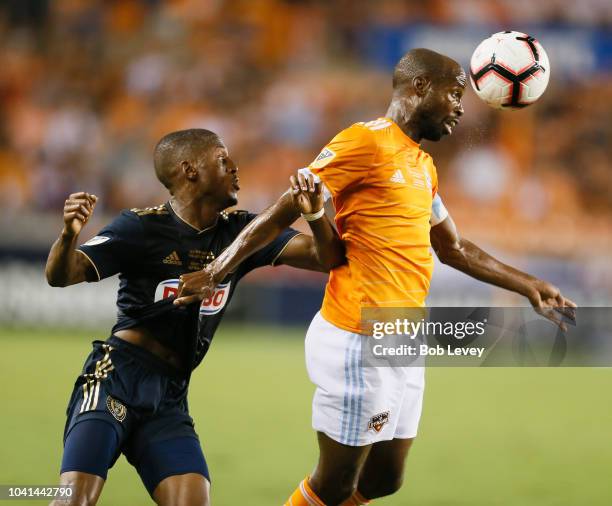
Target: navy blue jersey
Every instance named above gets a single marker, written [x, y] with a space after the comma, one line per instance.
[149, 249]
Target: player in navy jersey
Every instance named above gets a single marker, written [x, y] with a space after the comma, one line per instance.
[131, 397]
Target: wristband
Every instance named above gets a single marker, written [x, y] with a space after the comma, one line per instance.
[314, 216]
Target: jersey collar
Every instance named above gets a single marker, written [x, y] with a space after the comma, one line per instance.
[408, 139]
[188, 225]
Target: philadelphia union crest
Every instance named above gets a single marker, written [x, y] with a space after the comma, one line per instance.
[117, 409]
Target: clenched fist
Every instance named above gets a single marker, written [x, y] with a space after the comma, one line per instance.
[306, 193]
[194, 287]
[78, 208]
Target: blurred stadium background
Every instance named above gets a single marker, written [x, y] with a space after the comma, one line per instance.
[87, 87]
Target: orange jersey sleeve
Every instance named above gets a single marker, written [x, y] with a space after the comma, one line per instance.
[347, 159]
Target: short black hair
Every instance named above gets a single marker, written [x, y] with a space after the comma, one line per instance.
[176, 147]
[422, 62]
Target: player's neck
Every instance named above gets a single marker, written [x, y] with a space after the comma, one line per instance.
[402, 118]
[199, 215]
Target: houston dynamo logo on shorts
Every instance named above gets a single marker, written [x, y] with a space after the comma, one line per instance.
[211, 305]
[378, 421]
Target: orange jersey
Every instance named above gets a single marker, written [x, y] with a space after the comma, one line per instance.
[382, 185]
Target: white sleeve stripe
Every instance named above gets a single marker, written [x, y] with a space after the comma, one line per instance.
[438, 211]
[91, 262]
[273, 262]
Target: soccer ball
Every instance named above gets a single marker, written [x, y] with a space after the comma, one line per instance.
[509, 70]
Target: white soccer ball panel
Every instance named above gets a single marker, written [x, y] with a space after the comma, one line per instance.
[482, 55]
[533, 87]
[503, 47]
[494, 90]
[514, 55]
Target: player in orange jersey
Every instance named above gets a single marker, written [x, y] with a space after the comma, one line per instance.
[388, 214]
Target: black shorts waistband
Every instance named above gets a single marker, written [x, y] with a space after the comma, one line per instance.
[148, 358]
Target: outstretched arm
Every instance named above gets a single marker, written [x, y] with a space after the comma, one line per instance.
[465, 256]
[259, 232]
[65, 265]
[321, 252]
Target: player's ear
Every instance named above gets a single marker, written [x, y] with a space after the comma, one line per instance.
[421, 85]
[189, 170]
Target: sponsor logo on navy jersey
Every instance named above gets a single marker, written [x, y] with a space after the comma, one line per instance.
[211, 305]
[216, 302]
[167, 288]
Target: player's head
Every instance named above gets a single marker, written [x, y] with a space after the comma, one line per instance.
[196, 162]
[429, 87]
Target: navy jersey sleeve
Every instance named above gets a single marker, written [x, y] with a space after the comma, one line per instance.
[269, 254]
[117, 246]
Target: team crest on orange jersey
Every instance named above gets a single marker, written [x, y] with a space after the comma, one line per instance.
[378, 421]
[325, 156]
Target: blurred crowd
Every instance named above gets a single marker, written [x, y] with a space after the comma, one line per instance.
[87, 87]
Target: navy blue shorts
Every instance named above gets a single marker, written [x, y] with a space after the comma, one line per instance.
[129, 401]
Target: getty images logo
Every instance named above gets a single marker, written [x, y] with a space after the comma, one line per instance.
[211, 305]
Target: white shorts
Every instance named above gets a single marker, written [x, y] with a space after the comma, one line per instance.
[358, 405]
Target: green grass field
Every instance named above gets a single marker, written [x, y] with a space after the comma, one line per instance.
[488, 436]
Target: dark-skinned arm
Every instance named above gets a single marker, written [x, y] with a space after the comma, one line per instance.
[307, 252]
[465, 256]
[65, 265]
[322, 252]
[257, 234]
